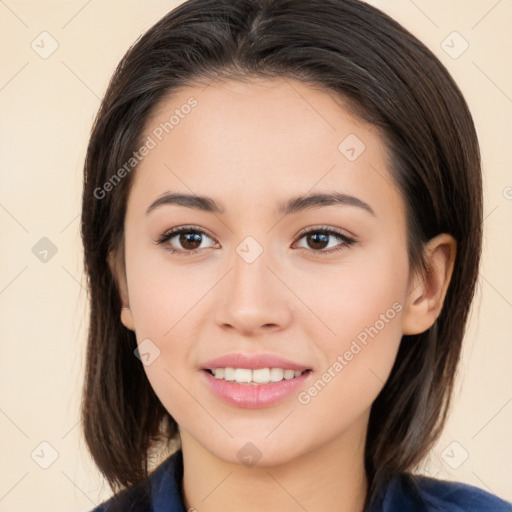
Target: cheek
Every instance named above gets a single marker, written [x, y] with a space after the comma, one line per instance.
[162, 292]
[361, 326]
[364, 291]
[165, 300]
[366, 317]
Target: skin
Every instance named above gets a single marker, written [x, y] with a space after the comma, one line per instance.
[251, 146]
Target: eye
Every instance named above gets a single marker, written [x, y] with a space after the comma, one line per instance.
[319, 238]
[191, 240]
[189, 237]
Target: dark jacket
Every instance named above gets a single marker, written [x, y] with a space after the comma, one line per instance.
[161, 492]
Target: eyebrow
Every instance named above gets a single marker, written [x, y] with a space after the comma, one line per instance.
[294, 205]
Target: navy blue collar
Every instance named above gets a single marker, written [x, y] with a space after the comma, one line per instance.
[161, 492]
[166, 489]
[402, 494]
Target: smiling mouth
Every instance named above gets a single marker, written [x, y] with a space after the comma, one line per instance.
[256, 377]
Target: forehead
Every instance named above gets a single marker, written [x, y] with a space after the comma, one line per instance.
[261, 138]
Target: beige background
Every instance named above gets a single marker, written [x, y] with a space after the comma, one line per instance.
[47, 107]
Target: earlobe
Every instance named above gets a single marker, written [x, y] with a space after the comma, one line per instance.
[127, 318]
[117, 268]
[426, 298]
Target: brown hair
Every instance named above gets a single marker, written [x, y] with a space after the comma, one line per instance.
[389, 79]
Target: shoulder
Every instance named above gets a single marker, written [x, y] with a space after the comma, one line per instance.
[129, 500]
[160, 491]
[133, 499]
[449, 496]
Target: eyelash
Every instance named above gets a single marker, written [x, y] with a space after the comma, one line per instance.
[165, 237]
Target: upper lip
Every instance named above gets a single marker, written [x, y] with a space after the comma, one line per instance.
[253, 362]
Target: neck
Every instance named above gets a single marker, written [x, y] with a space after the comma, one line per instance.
[330, 478]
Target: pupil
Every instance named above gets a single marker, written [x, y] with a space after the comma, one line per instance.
[188, 238]
[320, 238]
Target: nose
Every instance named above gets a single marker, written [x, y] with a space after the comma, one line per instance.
[252, 299]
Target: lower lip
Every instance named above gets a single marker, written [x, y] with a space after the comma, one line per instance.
[251, 396]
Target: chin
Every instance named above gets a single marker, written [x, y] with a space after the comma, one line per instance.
[257, 450]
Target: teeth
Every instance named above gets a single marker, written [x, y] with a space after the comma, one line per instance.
[229, 373]
[276, 374]
[259, 376]
[243, 375]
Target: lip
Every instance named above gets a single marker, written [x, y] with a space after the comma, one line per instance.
[253, 362]
[254, 396]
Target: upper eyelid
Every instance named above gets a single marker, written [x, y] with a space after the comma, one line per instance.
[332, 230]
[176, 231]
[171, 233]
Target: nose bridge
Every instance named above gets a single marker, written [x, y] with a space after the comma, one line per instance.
[252, 296]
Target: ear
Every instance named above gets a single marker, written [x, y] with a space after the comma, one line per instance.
[427, 293]
[115, 261]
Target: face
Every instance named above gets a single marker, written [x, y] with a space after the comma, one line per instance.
[318, 288]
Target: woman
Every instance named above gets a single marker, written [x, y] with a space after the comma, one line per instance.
[282, 223]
